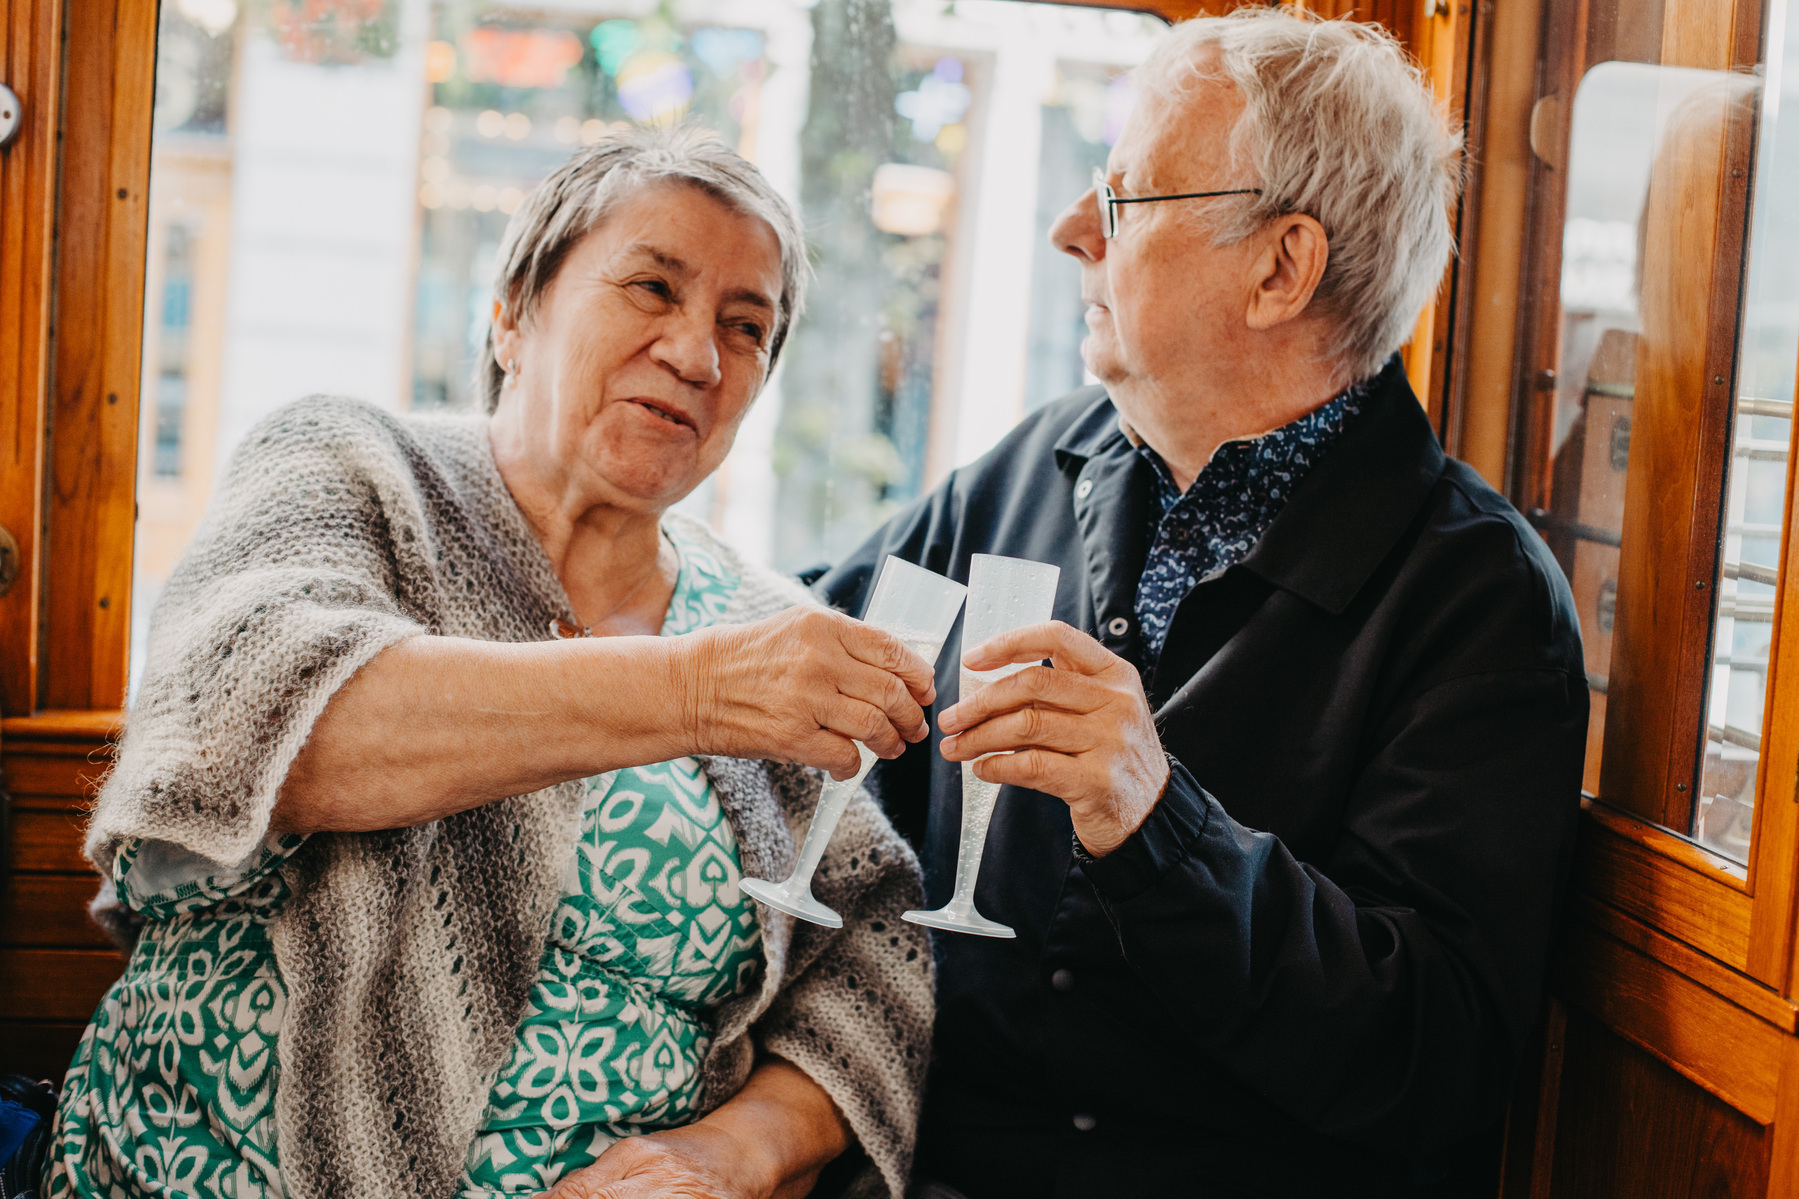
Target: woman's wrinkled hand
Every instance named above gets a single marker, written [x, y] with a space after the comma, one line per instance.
[1082, 732]
[695, 1162]
[802, 686]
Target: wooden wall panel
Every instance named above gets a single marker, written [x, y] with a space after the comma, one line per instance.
[54, 962]
[1627, 1125]
[30, 63]
[1718, 1046]
[44, 842]
[38, 1050]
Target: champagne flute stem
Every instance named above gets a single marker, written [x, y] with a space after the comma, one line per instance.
[833, 798]
[977, 813]
[831, 802]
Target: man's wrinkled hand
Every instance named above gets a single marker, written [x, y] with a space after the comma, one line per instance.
[1082, 731]
[695, 1162]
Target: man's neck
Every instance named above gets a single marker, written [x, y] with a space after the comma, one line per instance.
[1186, 427]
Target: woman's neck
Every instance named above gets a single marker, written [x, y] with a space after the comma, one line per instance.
[611, 560]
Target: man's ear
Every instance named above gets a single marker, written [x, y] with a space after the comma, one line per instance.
[1295, 251]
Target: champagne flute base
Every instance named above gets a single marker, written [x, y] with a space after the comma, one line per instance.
[780, 897]
[951, 918]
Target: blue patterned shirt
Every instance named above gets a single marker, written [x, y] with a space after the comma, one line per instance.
[1199, 535]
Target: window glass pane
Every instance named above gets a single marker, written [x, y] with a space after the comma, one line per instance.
[1623, 118]
[1649, 243]
[1756, 487]
[330, 182]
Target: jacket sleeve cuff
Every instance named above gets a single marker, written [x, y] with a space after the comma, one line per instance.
[1163, 841]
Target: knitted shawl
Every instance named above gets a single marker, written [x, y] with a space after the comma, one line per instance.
[338, 530]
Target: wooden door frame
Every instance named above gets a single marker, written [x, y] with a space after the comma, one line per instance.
[70, 412]
[73, 206]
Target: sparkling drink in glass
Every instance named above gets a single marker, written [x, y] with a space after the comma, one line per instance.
[919, 607]
[1003, 594]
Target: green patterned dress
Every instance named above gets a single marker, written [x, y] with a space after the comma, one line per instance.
[172, 1091]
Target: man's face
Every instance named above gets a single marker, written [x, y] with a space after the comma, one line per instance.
[1162, 300]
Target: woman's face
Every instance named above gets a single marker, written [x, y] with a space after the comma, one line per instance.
[630, 380]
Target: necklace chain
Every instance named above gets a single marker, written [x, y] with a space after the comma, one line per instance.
[562, 630]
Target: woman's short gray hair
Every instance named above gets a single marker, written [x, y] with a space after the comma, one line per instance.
[1340, 125]
[586, 189]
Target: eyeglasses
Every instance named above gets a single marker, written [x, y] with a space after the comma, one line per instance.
[1109, 200]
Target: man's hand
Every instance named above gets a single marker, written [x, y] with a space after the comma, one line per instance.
[1082, 732]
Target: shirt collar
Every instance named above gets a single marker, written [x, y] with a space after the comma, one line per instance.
[1299, 444]
[1347, 513]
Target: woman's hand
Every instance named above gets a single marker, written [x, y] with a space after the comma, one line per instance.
[1082, 732]
[768, 1141]
[695, 1162]
[801, 687]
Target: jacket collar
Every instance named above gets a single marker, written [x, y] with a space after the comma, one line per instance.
[1356, 502]
[1349, 511]
[1092, 432]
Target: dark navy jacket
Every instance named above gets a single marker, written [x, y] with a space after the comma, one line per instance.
[1313, 969]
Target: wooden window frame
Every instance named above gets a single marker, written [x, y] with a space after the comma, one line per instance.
[1741, 916]
[1678, 950]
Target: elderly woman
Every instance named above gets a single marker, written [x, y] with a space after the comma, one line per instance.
[451, 748]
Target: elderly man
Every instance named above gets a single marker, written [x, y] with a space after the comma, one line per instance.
[1284, 830]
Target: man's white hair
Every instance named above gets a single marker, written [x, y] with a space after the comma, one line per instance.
[1339, 125]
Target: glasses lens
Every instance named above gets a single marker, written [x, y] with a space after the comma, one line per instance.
[1102, 196]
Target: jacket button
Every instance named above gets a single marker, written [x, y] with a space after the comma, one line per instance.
[1085, 1123]
[1118, 626]
[1083, 489]
[1062, 980]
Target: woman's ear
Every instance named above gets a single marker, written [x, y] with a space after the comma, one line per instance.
[505, 337]
[1295, 251]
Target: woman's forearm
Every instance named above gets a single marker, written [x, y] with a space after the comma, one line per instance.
[436, 725]
[790, 1120]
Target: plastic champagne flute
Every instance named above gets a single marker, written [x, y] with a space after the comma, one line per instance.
[919, 607]
[1003, 594]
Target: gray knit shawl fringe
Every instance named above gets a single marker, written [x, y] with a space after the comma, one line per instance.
[338, 530]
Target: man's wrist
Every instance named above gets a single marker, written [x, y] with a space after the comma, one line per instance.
[1099, 840]
[1164, 839]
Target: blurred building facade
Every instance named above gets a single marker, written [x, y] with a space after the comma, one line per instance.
[331, 180]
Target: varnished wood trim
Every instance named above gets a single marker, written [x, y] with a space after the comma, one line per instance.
[1733, 985]
[1549, 1106]
[104, 211]
[1531, 1120]
[1727, 1050]
[82, 725]
[1688, 854]
[1495, 252]
[31, 59]
[1783, 1165]
[1663, 882]
[1774, 844]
